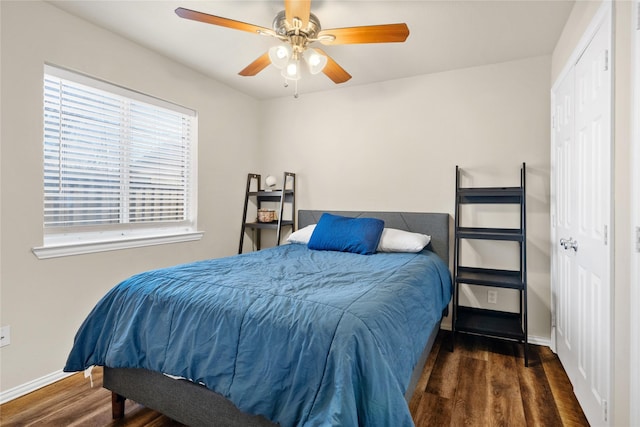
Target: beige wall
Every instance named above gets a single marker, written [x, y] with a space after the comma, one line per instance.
[395, 146]
[582, 14]
[44, 301]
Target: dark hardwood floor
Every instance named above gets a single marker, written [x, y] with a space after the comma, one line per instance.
[482, 383]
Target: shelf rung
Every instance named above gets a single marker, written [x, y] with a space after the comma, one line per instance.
[490, 195]
[510, 279]
[499, 324]
[509, 234]
[266, 225]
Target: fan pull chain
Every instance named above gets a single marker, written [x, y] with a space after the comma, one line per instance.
[286, 84]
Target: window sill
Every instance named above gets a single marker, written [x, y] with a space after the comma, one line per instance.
[45, 252]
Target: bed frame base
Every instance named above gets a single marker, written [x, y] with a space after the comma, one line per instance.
[180, 400]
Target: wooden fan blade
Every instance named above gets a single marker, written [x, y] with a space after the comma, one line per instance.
[387, 33]
[297, 9]
[256, 66]
[218, 20]
[334, 71]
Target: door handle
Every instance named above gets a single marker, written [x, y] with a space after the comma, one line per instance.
[569, 244]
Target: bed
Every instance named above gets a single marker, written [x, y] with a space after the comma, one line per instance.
[352, 358]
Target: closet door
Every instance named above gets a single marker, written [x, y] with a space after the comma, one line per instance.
[564, 275]
[582, 252]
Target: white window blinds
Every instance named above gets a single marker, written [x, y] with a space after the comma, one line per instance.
[112, 157]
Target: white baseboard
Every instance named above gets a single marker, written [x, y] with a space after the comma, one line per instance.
[544, 341]
[26, 388]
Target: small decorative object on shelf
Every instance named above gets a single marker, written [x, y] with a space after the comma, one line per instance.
[266, 218]
[508, 325]
[266, 215]
[270, 182]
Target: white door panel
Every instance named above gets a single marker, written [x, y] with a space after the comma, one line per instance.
[566, 290]
[582, 255]
[593, 126]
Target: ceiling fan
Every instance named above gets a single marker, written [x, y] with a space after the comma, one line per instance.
[298, 28]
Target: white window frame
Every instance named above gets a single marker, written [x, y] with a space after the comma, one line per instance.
[74, 240]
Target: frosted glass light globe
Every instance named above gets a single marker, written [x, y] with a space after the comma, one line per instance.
[281, 52]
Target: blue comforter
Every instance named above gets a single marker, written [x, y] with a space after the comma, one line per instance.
[302, 337]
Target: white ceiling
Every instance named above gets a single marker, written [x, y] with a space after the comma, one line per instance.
[444, 35]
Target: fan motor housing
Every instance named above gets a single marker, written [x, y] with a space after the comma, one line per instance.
[284, 28]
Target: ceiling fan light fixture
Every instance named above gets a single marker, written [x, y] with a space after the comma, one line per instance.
[297, 28]
[279, 55]
[315, 60]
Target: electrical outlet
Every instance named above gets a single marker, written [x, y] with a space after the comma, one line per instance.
[5, 336]
[492, 297]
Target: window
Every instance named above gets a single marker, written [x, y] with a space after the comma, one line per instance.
[119, 166]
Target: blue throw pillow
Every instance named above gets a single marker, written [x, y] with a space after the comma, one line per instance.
[344, 234]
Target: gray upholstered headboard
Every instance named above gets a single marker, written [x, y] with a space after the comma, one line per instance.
[435, 225]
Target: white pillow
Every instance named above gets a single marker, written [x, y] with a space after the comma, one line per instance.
[302, 236]
[393, 240]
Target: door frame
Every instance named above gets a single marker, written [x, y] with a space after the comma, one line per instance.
[634, 328]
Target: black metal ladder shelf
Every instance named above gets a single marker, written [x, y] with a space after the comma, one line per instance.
[284, 196]
[483, 321]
